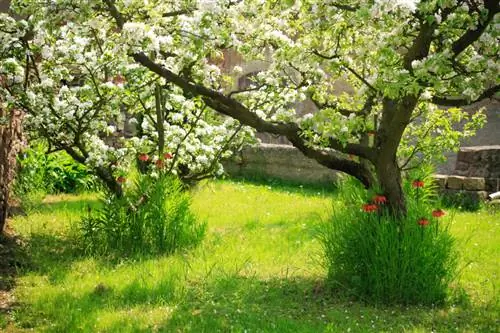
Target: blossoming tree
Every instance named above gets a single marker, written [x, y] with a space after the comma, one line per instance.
[401, 59]
[82, 94]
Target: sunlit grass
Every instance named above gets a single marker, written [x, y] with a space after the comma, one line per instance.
[257, 270]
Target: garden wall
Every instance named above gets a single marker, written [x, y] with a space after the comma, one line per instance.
[278, 161]
[476, 174]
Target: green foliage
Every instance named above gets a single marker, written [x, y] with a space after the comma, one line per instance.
[153, 217]
[462, 200]
[42, 174]
[384, 259]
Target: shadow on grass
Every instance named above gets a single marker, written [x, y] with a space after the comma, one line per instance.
[238, 303]
[288, 186]
[52, 255]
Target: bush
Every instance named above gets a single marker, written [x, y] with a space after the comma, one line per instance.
[382, 259]
[51, 173]
[153, 217]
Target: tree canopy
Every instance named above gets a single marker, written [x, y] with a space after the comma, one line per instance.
[69, 60]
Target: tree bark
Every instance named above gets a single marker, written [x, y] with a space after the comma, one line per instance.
[396, 115]
[10, 144]
[105, 174]
[389, 179]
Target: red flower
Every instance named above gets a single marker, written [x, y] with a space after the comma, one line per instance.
[160, 164]
[368, 208]
[168, 156]
[143, 157]
[379, 199]
[417, 183]
[121, 180]
[423, 222]
[438, 213]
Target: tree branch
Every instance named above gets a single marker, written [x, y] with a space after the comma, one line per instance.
[451, 101]
[471, 35]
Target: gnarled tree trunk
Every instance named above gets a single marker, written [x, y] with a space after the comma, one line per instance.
[10, 144]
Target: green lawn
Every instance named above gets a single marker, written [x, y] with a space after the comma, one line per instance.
[258, 270]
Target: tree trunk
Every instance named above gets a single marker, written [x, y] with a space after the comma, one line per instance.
[104, 174]
[111, 183]
[395, 117]
[10, 144]
[389, 179]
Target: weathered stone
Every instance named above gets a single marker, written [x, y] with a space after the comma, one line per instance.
[474, 184]
[479, 161]
[278, 161]
[492, 184]
[455, 182]
[440, 180]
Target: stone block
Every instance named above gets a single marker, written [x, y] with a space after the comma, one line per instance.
[440, 180]
[492, 184]
[474, 184]
[455, 182]
[479, 161]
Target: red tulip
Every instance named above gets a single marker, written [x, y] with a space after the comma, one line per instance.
[379, 199]
[143, 157]
[438, 213]
[423, 222]
[417, 183]
[168, 156]
[368, 208]
[160, 164]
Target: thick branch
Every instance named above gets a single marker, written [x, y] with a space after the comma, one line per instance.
[236, 110]
[451, 101]
[471, 35]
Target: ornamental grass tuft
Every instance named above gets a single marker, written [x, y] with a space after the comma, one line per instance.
[379, 258]
[153, 217]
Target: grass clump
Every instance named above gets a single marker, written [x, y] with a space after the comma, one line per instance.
[152, 217]
[384, 259]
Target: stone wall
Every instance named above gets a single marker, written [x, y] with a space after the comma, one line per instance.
[278, 161]
[479, 161]
[476, 174]
[477, 171]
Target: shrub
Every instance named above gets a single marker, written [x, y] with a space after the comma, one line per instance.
[51, 173]
[153, 217]
[382, 259]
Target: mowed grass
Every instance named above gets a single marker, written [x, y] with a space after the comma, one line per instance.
[258, 270]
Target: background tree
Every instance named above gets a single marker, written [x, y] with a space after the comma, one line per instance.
[401, 57]
[83, 95]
